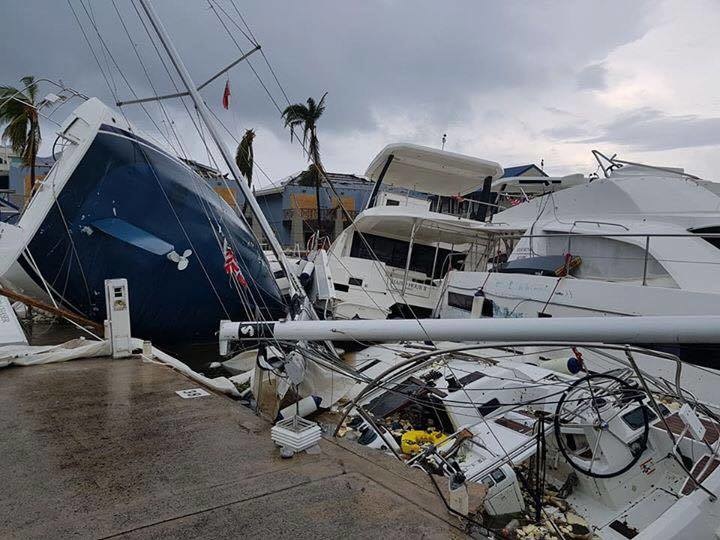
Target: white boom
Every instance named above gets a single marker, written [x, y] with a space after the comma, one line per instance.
[635, 330]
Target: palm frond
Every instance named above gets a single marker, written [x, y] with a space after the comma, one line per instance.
[294, 113]
[307, 116]
[31, 87]
[20, 117]
[245, 155]
[12, 104]
[16, 133]
[321, 106]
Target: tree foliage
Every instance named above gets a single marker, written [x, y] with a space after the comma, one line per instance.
[18, 113]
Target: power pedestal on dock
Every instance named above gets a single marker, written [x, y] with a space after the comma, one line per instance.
[117, 301]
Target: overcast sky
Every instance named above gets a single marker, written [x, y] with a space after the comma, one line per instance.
[515, 82]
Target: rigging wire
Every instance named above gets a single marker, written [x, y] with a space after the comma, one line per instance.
[149, 79]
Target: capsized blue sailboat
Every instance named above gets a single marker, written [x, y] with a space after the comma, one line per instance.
[116, 205]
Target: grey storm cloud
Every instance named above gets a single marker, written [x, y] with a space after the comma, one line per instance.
[426, 56]
[566, 132]
[592, 77]
[650, 129]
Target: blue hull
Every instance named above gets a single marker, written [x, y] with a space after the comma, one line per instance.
[152, 203]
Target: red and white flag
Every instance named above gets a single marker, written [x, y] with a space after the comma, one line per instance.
[226, 95]
[232, 268]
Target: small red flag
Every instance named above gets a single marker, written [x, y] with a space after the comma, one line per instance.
[226, 95]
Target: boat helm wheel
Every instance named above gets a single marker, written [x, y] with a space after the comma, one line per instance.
[590, 430]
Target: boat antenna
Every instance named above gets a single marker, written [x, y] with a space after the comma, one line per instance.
[204, 113]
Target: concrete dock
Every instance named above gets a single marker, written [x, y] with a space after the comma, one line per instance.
[105, 448]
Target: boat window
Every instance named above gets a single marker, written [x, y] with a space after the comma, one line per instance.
[355, 281]
[489, 407]
[610, 259]
[392, 202]
[393, 253]
[460, 301]
[714, 240]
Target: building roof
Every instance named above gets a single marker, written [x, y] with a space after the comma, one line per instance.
[338, 180]
[335, 178]
[521, 169]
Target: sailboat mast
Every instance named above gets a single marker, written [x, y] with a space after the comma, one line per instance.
[227, 155]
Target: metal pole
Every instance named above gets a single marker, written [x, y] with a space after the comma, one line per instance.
[378, 182]
[641, 330]
[647, 250]
[409, 255]
[205, 114]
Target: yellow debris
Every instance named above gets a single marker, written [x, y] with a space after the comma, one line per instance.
[413, 441]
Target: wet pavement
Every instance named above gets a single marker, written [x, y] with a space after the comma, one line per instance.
[102, 448]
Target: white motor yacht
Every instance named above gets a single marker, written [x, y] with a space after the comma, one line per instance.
[392, 261]
[641, 241]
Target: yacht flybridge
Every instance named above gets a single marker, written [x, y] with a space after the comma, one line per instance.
[393, 259]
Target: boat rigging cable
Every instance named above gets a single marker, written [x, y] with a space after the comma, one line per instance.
[417, 361]
[242, 294]
[387, 282]
[104, 47]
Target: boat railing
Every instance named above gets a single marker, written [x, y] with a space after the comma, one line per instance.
[652, 387]
[645, 238]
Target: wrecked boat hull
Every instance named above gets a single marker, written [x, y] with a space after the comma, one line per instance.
[130, 210]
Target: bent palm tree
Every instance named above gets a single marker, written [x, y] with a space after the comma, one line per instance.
[18, 110]
[244, 157]
[306, 117]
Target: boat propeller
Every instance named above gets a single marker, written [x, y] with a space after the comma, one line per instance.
[181, 260]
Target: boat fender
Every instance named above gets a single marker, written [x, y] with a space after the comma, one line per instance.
[372, 439]
[306, 275]
[568, 366]
[305, 407]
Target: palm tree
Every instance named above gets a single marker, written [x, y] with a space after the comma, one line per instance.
[244, 157]
[18, 110]
[306, 117]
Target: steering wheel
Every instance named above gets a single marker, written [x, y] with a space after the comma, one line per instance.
[586, 421]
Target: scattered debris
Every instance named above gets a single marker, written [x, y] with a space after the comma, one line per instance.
[191, 393]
